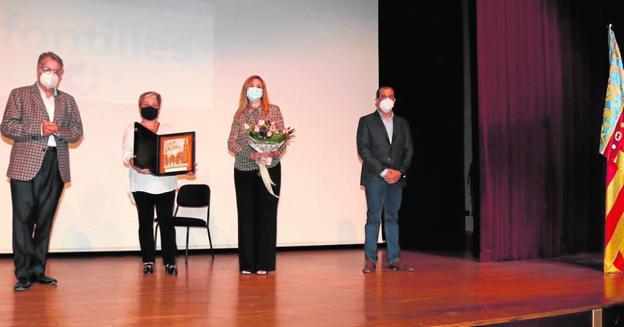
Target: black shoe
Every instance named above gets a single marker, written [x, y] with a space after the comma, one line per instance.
[148, 268]
[369, 266]
[399, 266]
[47, 280]
[171, 270]
[23, 284]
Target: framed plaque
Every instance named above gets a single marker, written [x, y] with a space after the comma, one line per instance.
[176, 153]
[165, 154]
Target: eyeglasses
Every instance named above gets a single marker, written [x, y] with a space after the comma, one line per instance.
[50, 70]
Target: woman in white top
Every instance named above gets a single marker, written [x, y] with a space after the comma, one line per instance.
[151, 191]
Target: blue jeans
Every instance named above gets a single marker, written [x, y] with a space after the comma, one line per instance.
[382, 196]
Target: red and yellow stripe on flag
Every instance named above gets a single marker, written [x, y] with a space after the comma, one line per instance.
[613, 149]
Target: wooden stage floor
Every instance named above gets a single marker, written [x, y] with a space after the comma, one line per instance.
[310, 288]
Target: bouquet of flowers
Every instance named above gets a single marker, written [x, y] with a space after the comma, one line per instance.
[266, 137]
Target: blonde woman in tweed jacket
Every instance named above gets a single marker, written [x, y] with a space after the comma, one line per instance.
[41, 121]
[257, 208]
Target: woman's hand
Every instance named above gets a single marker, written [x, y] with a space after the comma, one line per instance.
[144, 171]
[272, 154]
[263, 155]
[192, 173]
[262, 158]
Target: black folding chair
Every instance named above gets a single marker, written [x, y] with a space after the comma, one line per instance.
[194, 196]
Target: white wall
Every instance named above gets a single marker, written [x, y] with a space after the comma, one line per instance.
[318, 58]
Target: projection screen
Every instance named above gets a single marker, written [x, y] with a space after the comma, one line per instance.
[319, 60]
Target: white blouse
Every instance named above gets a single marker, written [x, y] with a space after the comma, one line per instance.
[146, 182]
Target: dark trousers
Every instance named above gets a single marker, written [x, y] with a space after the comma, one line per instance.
[145, 203]
[34, 205]
[257, 219]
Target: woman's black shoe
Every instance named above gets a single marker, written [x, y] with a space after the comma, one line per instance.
[171, 270]
[148, 268]
[22, 285]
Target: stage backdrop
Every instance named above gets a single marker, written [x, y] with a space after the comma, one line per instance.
[320, 62]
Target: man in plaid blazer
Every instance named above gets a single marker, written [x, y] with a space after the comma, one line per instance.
[41, 121]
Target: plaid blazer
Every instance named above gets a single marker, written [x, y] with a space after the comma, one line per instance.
[21, 122]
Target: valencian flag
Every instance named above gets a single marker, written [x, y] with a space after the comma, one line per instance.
[612, 147]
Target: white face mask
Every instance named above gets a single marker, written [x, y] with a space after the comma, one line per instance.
[254, 93]
[386, 105]
[49, 80]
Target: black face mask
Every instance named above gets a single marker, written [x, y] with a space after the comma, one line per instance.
[149, 113]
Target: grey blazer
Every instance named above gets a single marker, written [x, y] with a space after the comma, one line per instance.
[378, 153]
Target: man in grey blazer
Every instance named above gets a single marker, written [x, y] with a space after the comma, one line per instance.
[41, 120]
[384, 143]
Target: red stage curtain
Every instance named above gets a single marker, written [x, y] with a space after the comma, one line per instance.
[521, 132]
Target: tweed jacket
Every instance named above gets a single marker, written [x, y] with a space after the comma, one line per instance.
[238, 142]
[378, 153]
[21, 122]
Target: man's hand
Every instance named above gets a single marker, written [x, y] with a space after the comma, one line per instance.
[49, 128]
[392, 176]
